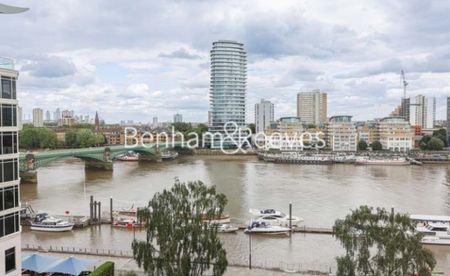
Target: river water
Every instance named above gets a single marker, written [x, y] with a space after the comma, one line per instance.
[319, 193]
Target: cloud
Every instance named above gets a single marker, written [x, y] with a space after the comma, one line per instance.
[50, 67]
[152, 58]
[181, 54]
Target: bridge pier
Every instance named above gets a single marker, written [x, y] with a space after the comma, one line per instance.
[98, 165]
[28, 177]
[156, 157]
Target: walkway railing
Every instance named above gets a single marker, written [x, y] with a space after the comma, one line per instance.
[310, 269]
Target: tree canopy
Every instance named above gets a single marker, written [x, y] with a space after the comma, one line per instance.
[376, 145]
[362, 145]
[378, 242]
[437, 141]
[435, 144]
[178, 241]
[83, 138]
[37, 137]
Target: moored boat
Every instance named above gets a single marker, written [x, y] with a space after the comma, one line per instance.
[261, 227]
[434, 228]
[169, 155]
[46, 223]
[400, 161]
[129, 156]
[227, 228]
[274, 217]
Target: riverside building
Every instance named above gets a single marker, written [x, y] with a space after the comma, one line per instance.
[227, 89]
[341, 134]
[312, 107]
[10, 246]
[395, 134]
[264, 115]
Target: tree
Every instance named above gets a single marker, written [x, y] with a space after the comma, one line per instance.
[252, 127]
[311, 126]
[362, 145]
[435, 144]
[378, 242]
[376, 145]
[178, 241]
[424, 142]
[32, 138]
[442, 135]
[70, 140]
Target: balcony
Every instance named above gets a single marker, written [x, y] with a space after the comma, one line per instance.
[6, 63]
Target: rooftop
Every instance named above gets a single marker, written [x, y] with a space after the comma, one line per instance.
[6, 63]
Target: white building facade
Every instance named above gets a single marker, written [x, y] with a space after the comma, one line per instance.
[38, 117]
[395, 134]
[341, 134]
[10, 245]
[227, 87]
[264, 115]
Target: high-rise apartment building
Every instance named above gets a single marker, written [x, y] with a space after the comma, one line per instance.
[264, 115]
[47, 116]
[341, 134]
[405, 109]
[38, 117]
[10, 247]
[177, 118]
[57, 115]
[155, 122]
[421, 111]
[312, 107]
[228, 86]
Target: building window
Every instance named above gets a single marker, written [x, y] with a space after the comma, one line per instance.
[9, 224]
[9, 170]
[8, 115]
[9, 197]
[8, 88]
[8, 142]
[10, 260]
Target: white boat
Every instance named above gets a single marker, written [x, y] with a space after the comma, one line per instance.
[274, 217]
[129, 156]
[435, 228]
[261, 227]
[400, 161]
[44, 222]
[227, 228]
[123, 222]
[169, 155]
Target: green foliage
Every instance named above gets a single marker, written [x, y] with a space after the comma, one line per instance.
[83, 138]
[376, 145]
[178, 241]
[106, 269]
[378, 242]
[424, 142]
[32, 138]
[435, 144]
[362, 145]
[252, 127]
[311, 126]
[187, 130]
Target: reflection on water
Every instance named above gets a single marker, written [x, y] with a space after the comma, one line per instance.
[319, 194]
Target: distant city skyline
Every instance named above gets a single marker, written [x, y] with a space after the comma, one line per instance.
[134, 76]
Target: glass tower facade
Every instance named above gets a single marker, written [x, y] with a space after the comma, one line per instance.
[9, 174]
[228, 86]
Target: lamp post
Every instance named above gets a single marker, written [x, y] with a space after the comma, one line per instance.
[250, 247]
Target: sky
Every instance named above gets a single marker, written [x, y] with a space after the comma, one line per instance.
[133, 60]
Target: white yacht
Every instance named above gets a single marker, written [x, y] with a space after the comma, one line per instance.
[44, 222]
[227, 228]
[274, 217]
[261, 227]
[435, 228]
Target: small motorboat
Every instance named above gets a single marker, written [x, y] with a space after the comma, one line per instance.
[46, 223]
[129, 156]
[223, 219]
[227, 228]
[261, 227]
[169, 155]
[274, 217]
[123, 222]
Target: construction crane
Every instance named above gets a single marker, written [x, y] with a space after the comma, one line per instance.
[405, 83]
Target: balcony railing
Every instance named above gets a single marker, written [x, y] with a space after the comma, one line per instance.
[6, 63]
